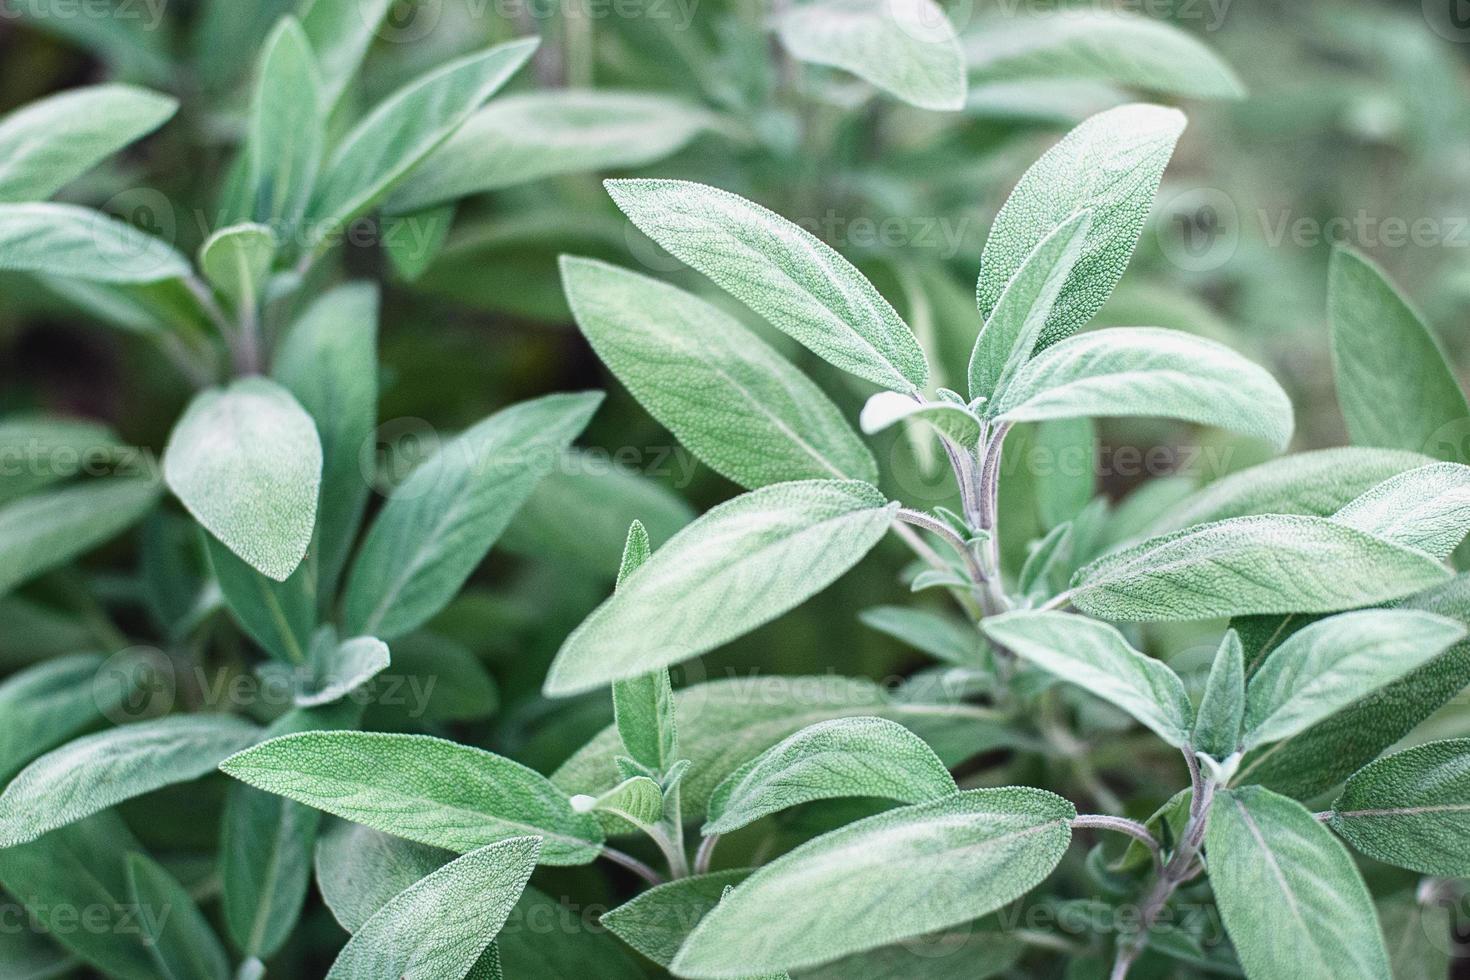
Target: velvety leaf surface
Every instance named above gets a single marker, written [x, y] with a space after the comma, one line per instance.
[70, 241]
[39, 532]
[1426, 508]
[1412, 809]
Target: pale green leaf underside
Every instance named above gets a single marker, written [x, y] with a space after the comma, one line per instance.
[1426, 508]
[1412, 809]
[889, 877]
[1249, 565]
[727, 396]
[247, 463]
[421, 788]
[236, 260]
[782, 272]
[79, 243]
[1143, 371]
[831, 759]
[904, 47]
[888, 408]
[740, 565]
[1097, 658]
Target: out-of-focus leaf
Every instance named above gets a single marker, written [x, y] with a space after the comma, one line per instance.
[70, 241]
[39, 532]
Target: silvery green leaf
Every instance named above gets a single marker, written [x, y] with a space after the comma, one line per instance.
[247, 463]
[1110, 165]
[440, 925]
[74, 242]
[1143, 371]
[405, 128]
[287, 130]
[1049, 560]
[939, 636]
[1217, 725]
[439, 523]
[1096, 657]
[1013, 326]
[643, 706]
[183, 944]
[1426, 508]
[1336, 661]
[237, 260]
[1416, 406]
[1409, 918]
[277, 615]
[742, 564]
[49, 703]
[724, 724]
[954, 422]
[831, 759]
[736, 403]
[44, 530]
[338, 669]
[657, 921]
[340, 32]
[97, 771]
[83, 866]
[782, 272]
[422, 788]
[47, 144]
[889, 877]
[43, 450]
[1319, 483]
[534, 135]
[638, 800]
[907, 48]
[939, 578]
[1292, 900]
[1248, 565]
[1101, 45]
[358, 870]
[965, 952]
[266, 847]
[328, 360]
[1412, 809]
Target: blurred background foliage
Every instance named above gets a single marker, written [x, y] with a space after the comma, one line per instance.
[1356, 127]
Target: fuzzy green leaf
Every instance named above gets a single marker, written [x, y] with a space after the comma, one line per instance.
[1110, 165]
[1097, 658]
[1334, 662]
[1412, 809]
[781, 271]
[736, 403]
[828, 760]
[340, 32]
[283, 149]
[246, 462]
[1292, 900]
[955, 422]
[1143, 371]
[440, 522]
[421, 788]
[338, 669]
[39, 532]
[1426, 508]
[1416, 403]
[45, 449]
[657, 922]
[277, 615]
[97, 771]
[183, 944]
[51, 702]
[638, 800]
[907, 48]
[941, 637]
[742, 564]
[236, 261]
[1247, 565]
[78, 243]
[892, 876]
[47, 144]
[1217, 726]
[643, 707]
[358, 870]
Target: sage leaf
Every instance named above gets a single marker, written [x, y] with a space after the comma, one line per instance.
[1292, 900]
[74, 242]
[1247, 565]
[742, 564]
[237, 260]
[831, 759]
[439, 523]
[657, 922]
[905, 47]
[45, 449]
[873, 882]
[1012, 328]
[736, 403]
[338, 669]
[643, 707]
[340, 32]
[404, 129]
[1097, 658]
[277, 615]
[939, 636]
[440, 925]
[638, 800]
[1333, 662]
[421, 788]
[247, 463]
[49, 703]
[1217, 725]
[1110, 165]
[48, 143]
[1427, 508]
[955, 422]
[782, 272]
[1416, 404]
[1099, 45]
[40, 532]
[534, 135]
[182, 942]
[283, 149]
[1411, 809]
[1143, 371]
[97, 771]
[358, 870]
